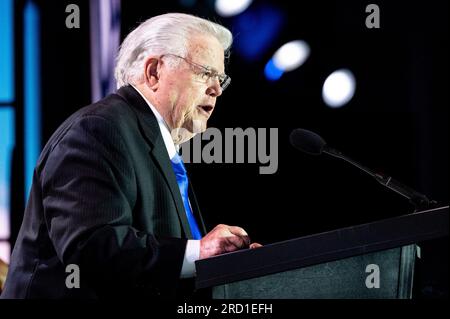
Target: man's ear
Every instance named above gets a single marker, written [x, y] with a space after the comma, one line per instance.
[151, 73]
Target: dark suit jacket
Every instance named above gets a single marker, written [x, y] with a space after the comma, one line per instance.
[104, 197]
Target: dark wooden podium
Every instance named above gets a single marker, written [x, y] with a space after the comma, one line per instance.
[374, 260]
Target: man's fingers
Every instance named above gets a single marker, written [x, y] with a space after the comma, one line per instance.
[240, 232]
[255, 245]
[222, 239]
[236, 241]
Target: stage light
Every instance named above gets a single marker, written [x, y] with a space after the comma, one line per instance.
[32, 90]
[339, 88]
[228, 8]
[272, 72]
[256, 30]
[291, 55]
[6, 51]
[287, 58]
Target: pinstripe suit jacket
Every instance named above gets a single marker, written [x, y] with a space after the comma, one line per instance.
[105, 198]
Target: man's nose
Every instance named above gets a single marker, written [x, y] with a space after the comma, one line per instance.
[214, 89]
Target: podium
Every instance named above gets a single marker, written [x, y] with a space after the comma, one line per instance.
[374, 260]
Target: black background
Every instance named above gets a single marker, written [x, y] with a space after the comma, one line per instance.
[396, 123]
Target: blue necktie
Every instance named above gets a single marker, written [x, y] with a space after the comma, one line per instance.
[182, 180]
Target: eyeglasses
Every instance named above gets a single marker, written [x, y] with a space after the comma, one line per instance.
[207, 73]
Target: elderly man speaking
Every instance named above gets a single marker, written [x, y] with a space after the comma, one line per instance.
[110, 201]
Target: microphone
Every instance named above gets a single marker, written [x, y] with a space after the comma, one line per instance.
[313, 144]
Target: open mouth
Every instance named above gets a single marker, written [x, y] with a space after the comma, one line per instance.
[206, 108]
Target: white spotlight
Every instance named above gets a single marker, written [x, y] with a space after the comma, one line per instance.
[339, 88]
[228, 8]
[291, 55]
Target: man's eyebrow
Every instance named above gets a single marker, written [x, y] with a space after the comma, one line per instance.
[206, 66]
[209, 68]
[212, 69]
[215, 70]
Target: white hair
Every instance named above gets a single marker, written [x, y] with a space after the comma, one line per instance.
[163, 34]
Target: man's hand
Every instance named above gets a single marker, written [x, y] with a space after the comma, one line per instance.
[224, 239]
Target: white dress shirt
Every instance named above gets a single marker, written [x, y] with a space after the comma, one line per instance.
[192, 252]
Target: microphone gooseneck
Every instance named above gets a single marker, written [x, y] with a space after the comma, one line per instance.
[313, 144]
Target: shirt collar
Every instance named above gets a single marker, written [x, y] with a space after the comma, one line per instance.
[172, 149]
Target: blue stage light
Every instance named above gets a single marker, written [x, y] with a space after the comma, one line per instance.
[272, 72]
[255, 31]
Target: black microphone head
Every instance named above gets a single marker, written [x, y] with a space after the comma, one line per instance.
[307, 141]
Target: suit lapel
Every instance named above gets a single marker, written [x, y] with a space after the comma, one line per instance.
[151, 131]
[159, 154]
